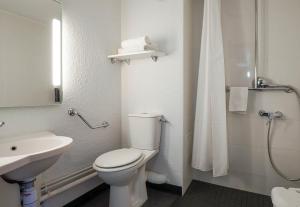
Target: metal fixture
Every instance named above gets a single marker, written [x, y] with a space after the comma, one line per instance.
[271, 117]
[73, 112]
[57, 97]
[2, 123]
[28, 193]
[262, 85]
[163, 120]
[256, 44]
[57, 186]
[116, 60]
[154, 58]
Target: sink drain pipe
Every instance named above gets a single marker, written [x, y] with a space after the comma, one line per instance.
[28, 194]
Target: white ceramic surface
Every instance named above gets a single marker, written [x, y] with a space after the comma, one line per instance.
[25, 157]
[128, 185]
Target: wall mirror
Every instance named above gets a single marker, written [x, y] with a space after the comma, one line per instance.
[30, 53]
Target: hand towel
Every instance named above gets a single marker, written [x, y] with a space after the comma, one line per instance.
[137, 42]
[238, 100]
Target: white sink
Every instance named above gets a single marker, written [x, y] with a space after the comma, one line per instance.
[25, 157]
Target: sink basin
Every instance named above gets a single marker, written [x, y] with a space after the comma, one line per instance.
[25, 157]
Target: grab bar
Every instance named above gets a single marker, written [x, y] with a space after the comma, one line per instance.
[275, 88]
[73, 112]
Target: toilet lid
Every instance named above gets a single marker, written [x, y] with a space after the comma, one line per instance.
[282, 197]
[118, 158]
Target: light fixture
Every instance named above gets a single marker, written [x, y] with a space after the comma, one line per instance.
[56, 52]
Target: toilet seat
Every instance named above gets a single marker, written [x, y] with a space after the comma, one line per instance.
[118, 160]
[282, 197]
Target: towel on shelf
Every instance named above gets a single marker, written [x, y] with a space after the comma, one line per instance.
[137, 49]
[238, 100]
[136, 42]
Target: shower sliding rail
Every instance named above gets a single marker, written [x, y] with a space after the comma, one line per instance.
[73, 112]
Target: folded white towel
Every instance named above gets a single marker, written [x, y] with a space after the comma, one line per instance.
[137, 49]
[238, 100]
[136, 43]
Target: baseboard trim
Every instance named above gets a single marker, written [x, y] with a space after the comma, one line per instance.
[87, 196]
[174, 189]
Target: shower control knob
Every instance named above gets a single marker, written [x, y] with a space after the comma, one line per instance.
[263, 113]
[277, 115]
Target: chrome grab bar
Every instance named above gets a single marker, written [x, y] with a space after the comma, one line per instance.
[2, 123]
[73, 112]
[261, 85]
[275, 88]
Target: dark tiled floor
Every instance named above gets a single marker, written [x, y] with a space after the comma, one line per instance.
[208, 195]
[198, 195]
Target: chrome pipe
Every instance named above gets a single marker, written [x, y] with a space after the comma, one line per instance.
[256, 46]
[68, 177]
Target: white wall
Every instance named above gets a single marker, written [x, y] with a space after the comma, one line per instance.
[249, 165]
[157, 87]
[91, 31]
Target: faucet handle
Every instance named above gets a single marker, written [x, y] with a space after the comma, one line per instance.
[261, 82]
[263, 113]
[2, 123]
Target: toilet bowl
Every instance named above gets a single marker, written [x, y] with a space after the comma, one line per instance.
[125, 169]
[282, 197]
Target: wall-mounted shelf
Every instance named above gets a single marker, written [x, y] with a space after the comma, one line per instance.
[120, 58]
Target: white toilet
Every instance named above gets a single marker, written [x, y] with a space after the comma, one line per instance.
[282, 197]
[124, 169]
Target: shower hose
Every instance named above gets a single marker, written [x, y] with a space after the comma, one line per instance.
[270, 121]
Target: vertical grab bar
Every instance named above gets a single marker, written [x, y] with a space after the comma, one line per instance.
[256, 46]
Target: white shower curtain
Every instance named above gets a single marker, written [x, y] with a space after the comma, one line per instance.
[210, 149]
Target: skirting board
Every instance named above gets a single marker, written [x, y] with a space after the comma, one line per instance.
[174, 189]
[95, 192]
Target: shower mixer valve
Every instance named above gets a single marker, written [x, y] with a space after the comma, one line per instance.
[271, 115]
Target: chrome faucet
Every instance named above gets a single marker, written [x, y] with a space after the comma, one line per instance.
[2, 123]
